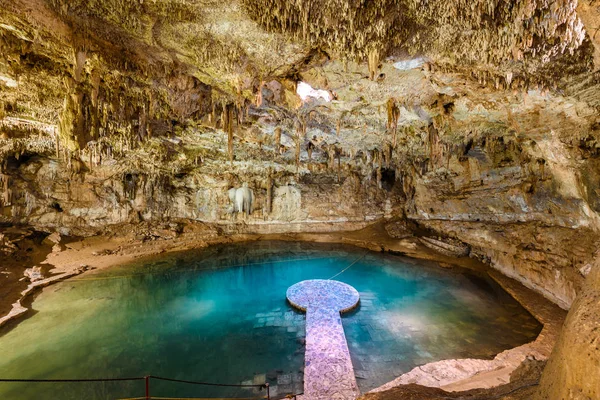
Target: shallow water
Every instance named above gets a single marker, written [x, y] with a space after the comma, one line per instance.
[220, 315]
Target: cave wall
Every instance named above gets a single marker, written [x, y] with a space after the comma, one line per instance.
[527, 207]
[79, 198]
[572, 371]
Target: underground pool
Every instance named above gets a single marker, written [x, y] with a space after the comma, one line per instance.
[220, 315]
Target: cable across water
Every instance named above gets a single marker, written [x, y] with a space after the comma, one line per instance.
[348, 267]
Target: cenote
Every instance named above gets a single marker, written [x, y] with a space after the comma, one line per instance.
[220, 315]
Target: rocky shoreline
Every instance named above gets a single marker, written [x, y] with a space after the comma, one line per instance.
[87, 256]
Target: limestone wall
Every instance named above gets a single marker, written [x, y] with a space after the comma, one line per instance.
[572, 371]
[529, 209]
[49, 196]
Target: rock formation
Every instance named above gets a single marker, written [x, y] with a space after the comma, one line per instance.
[242, 199]
[476, 122]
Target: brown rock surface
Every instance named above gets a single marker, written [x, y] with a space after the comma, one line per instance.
[522, 386]
[572, 372]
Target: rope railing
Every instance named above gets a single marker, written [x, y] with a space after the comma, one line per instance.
[146, 380]
[140, 378]
[194, 398]
[263, 386]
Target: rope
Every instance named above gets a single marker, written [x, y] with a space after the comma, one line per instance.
[129, 379]
[193, 269]
[354, 262]
[193, 398]
[73, 380]
[203, 383]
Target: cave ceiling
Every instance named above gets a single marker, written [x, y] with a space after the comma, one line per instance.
[143, 68]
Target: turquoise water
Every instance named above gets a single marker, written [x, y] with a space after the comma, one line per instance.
[220, 315]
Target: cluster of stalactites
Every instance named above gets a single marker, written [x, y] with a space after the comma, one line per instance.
[99, 102]
[349, 29]
[490, 32]
[502, 30]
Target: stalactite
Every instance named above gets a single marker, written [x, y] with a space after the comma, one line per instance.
[277, 138]
[387, 154]
[393, 114]
[213, 116]
[227, 118]
[338, 155]
[259, 94]
[269, 207]
[435, 149]
[6, 199]
[373, 63]
[300, 135]
[309, 149]
[57, 144]
[331, 154]
[143, 123]
[93, 109]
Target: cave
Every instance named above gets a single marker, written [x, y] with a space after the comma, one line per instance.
[309, 200]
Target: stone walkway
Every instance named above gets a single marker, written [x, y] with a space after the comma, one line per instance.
[328, 371]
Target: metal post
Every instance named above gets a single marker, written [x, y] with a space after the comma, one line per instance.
[147, 379]
[268, 391]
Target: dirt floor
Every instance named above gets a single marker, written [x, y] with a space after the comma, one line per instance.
[20, 248]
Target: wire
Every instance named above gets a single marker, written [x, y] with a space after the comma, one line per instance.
[354, 262]
[141, 378]
[192, 398]
[73, 380]
[203, 383]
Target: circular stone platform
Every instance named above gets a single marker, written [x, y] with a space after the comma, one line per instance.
[322, 294]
